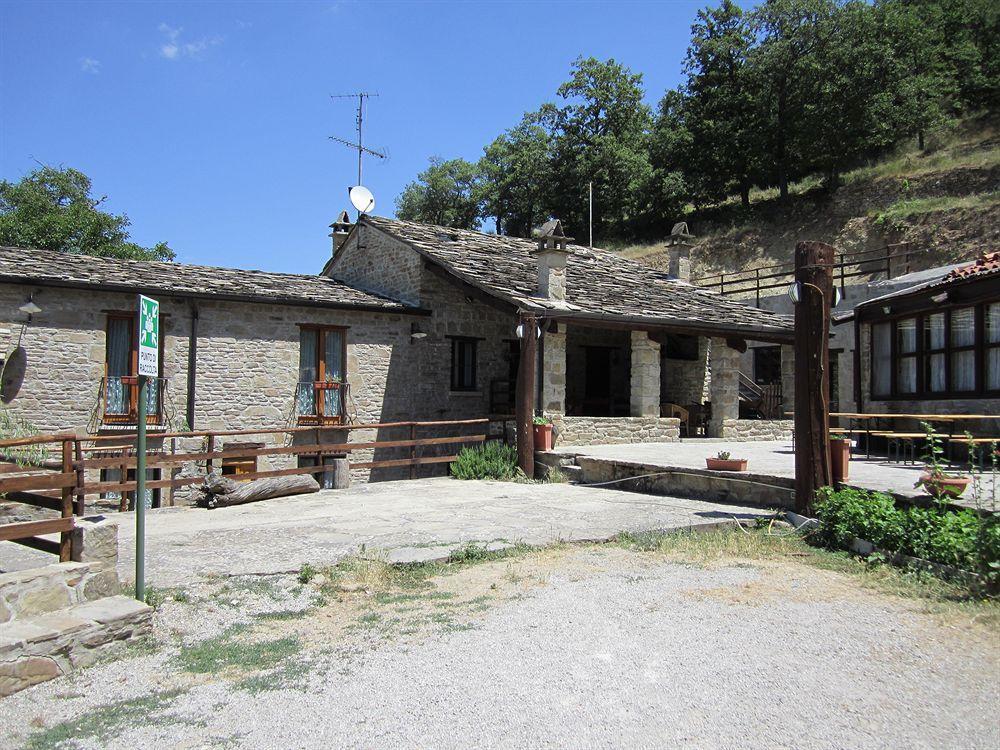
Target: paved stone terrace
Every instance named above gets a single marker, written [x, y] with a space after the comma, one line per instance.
[409, 520]
[773, 458]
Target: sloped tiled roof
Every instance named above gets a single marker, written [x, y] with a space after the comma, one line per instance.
[45, 267]
[599, 284]
[989, 263]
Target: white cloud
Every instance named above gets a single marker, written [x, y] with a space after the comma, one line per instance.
[90, 65]
[174, 47]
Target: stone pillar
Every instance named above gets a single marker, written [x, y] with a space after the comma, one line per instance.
[554, 371]
[787, 379]
[725, 386]
[645, 397]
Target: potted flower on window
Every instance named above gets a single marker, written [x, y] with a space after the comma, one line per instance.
[723, 461]
[543, 433]
[935, 480]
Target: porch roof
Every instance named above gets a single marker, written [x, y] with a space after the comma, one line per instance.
[20, 265]
[601, 286]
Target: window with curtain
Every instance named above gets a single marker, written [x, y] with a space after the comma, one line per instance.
[882, 359]
[463, 364]
[319, 395]
[121, 390]
[950, 353]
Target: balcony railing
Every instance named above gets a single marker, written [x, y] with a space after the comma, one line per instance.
[321, 402]
[120, 400]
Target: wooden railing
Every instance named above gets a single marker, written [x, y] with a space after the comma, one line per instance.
[59, 472]
[780, 275]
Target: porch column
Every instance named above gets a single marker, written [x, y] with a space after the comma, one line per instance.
[645, 397]
[787, 379]
[554, 372]
[724, 388]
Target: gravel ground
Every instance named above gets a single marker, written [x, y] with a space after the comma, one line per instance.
[606, 648]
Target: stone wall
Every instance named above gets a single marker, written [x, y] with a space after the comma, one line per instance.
[685, 382]
[757, 429]
[724, 386]
[374, 261]
[644, 400]
[600, 430]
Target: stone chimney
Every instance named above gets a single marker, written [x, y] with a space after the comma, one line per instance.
[552, 254]
[679, 246]
[341, 228]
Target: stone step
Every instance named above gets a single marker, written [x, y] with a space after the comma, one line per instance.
[572, 472]
[27, 593]
[50, 644]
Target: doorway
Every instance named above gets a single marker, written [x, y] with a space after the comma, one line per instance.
[597, 401]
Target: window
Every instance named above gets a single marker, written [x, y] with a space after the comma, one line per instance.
[463, 364]
[951, 353]
[320, 395]
[121, 365]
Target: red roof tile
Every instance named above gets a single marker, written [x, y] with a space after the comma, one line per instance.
[989, 263]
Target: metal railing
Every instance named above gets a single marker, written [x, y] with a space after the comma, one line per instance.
[321, 402]
[118, 400]
[892, 258]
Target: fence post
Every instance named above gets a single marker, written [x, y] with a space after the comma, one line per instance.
[722, 284]
[211, 449]
[757, 274]
[80, 478]
[66, 537]
[122, 479]
[888, 261]
[413, 450]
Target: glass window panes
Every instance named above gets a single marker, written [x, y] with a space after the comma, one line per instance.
[963, 371]
[906, 375]
[993, 323]
[881, 359]
[906, 332]
[934, 374]
[334, 346]
[934, 331]
[963, 327]
[993, 368]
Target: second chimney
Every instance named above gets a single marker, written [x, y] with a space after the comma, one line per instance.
[341, 228]
[679, 252]
[552, 254]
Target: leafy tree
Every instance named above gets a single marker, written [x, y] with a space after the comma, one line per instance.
[600, 135]
[723, 114]
[447, 193]
[515, 174]
[669, 154]
[52, 209]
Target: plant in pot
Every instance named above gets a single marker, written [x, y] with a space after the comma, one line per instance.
[542, 427]
[724, 461]
[935, 480]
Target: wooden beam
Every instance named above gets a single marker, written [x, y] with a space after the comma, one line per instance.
[14, 531]
[524, 399]
[814, 271]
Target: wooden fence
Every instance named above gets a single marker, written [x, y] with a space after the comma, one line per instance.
[51, 471]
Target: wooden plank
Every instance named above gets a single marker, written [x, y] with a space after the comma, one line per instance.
[182, 458]
[39, 501]
[65, 543]
[13, 531]
[44, 545]
[404, 462]
[38, 439]
[46, 482]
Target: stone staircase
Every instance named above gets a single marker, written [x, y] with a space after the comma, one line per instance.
[58, 617]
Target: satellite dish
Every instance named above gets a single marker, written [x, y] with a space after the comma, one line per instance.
[362, 199]
[12, 374]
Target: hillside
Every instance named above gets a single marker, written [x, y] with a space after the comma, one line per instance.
[945, 201]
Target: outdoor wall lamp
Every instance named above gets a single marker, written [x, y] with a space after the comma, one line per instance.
[795, 293]
[29, 308]
[415, 333]
[520, 331]
[940, 298]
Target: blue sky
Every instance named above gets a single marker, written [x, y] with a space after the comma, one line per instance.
[208, 123]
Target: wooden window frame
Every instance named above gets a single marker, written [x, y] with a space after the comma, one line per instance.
[923, 354]
[457, 386]
[321, 384]
[132, 379]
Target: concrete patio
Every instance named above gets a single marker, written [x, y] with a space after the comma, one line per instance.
[771, 459]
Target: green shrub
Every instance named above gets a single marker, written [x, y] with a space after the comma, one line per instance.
[963, 539]
[492, 460]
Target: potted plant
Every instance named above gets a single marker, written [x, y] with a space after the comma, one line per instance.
[724, 462]
[543, 433]
[935, 480]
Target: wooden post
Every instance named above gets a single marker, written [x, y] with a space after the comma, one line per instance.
[80, 478]
[524, 406]
[66, 537]
[210, 448]
[814, 272]
[413, 451]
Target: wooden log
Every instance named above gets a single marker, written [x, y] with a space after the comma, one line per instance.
[221, 491]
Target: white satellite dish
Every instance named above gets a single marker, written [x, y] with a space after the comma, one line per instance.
[362, 199]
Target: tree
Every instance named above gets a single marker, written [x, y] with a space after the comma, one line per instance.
[52, 209]
[600, 135]
[723, 115]
[447, 193]
[669, 155]
[515, 175]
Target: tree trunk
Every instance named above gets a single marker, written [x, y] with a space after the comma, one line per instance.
[221, 491]
[745, 194]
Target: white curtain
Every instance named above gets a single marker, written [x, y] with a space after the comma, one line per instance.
[333, 353]
[934, 329]
[881, 358]
[305, 396]
[993, 353]
[963, 364]
[119, 354]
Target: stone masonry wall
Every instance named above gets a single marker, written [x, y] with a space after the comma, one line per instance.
[757, 429]
[600, 430]
[724, 387]
[376, 262]
[685, 382]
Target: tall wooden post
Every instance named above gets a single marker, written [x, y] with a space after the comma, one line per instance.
[524, 399]
[814, 274]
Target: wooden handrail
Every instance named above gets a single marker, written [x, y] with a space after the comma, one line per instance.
[38, 439]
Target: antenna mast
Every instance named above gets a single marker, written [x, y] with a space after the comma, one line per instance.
[359, 146]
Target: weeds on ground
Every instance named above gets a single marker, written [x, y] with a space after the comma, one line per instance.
[493, 460]
[104, 722]
[229, 650]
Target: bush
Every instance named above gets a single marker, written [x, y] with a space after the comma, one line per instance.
[963, 539]
[492, 460]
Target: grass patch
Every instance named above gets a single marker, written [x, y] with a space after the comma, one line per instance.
[228, 650]
[105, 722]
[907, 208]
[290, 675]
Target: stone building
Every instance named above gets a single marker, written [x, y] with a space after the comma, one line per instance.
[406, 321]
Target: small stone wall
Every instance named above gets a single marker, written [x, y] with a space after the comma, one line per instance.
[600, 430]
[757, 429]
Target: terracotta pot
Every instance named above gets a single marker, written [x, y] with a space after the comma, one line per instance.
[727, 464]
[944, 486]
[840, 458]
[543, 437]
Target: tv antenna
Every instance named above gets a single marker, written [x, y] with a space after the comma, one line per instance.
[359, 146]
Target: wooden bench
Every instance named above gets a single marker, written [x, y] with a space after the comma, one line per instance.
[902, 441]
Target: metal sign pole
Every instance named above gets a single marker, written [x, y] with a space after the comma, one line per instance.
[140, 495]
